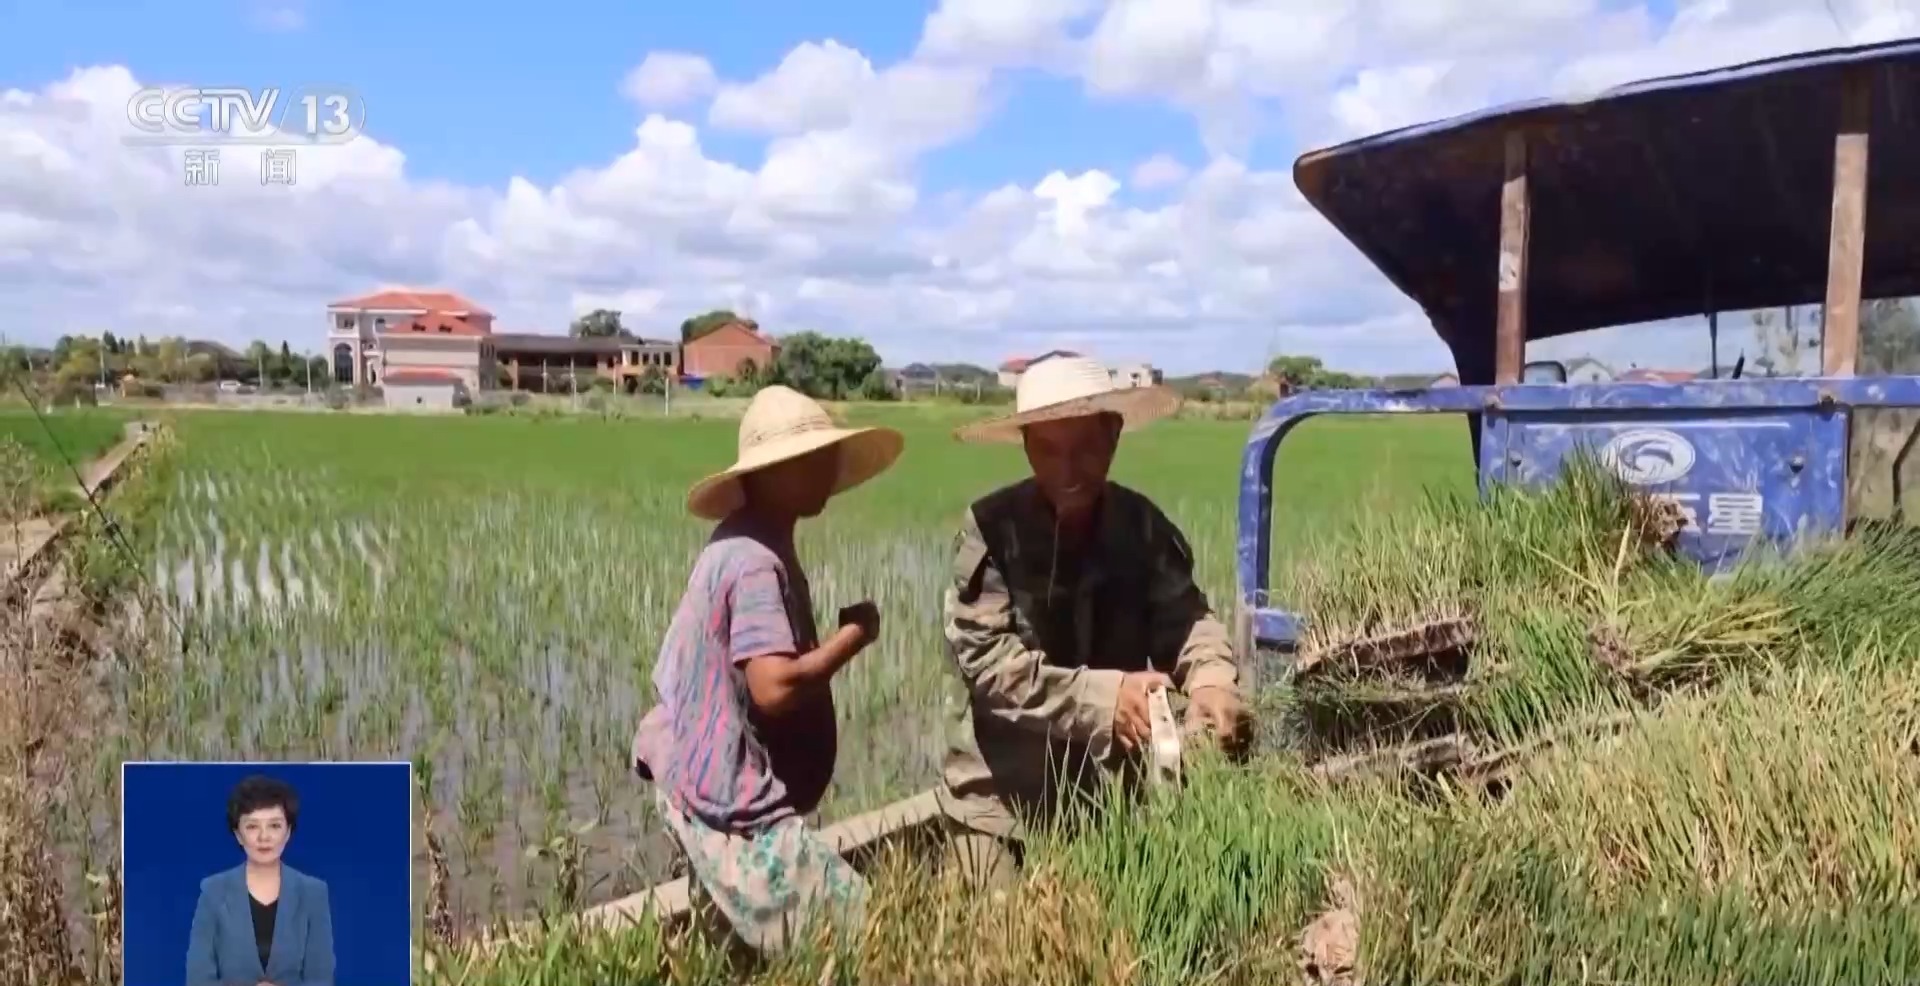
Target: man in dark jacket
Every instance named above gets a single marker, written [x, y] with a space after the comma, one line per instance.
[1072, 597]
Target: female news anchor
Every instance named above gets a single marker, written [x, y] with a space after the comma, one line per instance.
[262, 923]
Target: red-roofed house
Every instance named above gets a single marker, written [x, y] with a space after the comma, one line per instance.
[727, 351]
[376, 335]
[1011, 370]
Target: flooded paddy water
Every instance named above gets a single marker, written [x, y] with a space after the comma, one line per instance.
[484, 598]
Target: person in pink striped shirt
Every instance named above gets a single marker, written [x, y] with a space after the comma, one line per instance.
[741, 743]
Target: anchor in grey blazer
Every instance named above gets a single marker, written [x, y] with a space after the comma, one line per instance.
[221, 950]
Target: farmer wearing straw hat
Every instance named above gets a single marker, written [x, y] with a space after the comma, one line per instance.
[741, 743]
[1072, 597]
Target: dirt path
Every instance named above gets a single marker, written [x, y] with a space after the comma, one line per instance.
[21, 544]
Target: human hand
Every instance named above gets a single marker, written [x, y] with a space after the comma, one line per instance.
[1132, 726]
[865, 617]
[1217, 709]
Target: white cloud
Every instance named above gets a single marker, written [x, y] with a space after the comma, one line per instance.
[833, 226]
[1158, 171]
[815, 87]
[1003, 32]
[669, 79]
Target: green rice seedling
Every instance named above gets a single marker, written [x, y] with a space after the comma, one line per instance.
[1194, 877]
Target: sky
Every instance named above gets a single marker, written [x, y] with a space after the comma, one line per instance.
[961, 180]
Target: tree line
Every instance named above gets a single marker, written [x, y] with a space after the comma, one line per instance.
[78, 362]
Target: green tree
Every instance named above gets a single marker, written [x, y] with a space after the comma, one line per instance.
[601, 323]
[258, 356]
[825, 368]
[1308, 373]
[201, 368]
[699, 325]
[877, 387]
[171, 359]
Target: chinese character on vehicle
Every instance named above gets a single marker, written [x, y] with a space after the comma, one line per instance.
[1734, 513]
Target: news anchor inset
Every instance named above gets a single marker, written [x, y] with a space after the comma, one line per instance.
[261, 922]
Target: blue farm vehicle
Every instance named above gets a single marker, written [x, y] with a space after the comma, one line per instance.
[1740, 189]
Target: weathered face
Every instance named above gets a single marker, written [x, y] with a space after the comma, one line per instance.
[1070, 459]
[797, 487]
[263, 833]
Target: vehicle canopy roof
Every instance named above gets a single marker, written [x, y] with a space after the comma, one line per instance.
[1669, 197]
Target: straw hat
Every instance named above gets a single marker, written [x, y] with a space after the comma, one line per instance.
[783, 424]
[1071, 387]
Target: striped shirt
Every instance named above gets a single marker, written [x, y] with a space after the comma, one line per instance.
[742, 601]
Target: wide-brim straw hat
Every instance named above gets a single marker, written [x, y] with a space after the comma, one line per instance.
[783, 424]
[1071, 387]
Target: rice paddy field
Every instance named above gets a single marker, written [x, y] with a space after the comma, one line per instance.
[484, 596]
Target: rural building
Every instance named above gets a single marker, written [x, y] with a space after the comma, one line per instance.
[424, 390]
[439, 343]
[1135, 375]
[444, 334]
[1587, 370]
[732, 350]
[916, 379]
[1011, 370]
[360, 332]
[534, 361]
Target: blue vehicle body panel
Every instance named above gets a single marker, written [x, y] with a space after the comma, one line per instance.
[1747, 460]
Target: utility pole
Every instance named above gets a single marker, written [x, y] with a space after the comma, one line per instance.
[309, 361]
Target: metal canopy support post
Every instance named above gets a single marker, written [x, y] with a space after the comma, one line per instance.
[1713, 344]
[1846, 243]
[1510, 342]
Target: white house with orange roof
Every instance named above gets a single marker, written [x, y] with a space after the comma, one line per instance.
[1013, 369]
[425, 335]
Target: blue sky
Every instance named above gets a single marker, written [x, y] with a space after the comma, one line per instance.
[479, 94]
[1041, 209]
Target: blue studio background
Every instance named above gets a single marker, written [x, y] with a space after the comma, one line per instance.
[354, 832]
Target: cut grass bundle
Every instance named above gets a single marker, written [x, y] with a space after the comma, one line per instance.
[1562, 606]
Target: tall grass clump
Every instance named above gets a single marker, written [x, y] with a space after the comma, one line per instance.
[34, 935]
